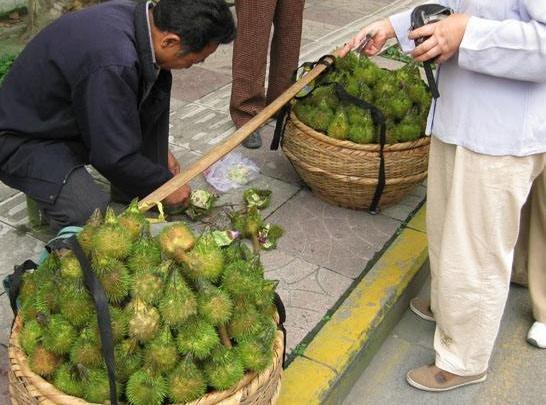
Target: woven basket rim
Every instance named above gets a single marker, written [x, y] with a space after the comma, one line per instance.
[18, 358]
[375, 147]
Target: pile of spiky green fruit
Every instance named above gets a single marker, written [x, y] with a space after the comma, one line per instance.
[187, 315]
[401, 95]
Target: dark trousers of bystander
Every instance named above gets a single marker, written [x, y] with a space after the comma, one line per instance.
[254, 21]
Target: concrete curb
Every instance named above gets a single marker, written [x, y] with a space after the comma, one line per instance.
[345, 345]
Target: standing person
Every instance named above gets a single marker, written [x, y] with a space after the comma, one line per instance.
[254, 21]
[94, 88]
[488, 147]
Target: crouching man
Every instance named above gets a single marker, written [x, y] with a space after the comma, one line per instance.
[94, 88]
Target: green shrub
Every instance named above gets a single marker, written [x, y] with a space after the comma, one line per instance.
[5, 64]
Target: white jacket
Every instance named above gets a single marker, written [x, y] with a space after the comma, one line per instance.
[493, 92]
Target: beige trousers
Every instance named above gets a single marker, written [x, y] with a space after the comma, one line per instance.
[473, 214]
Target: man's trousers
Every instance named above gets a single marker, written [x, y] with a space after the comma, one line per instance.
[254, 21]
[473, 216]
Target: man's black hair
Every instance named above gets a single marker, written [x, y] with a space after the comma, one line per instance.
[197, 22]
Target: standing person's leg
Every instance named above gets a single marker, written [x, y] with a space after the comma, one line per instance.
[285, 46]
[521, 251]
[474, 264]
[79, 197]
[254, 21]
[440, 173]
[536, 262]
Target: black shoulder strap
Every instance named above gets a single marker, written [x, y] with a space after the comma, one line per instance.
[103, 314]
[379, 122]
[284, 113]
[15, 280]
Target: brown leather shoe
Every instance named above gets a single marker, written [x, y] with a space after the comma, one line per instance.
[421, 308]
[431, 378]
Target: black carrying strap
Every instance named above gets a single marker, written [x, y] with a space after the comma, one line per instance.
[15, 280]
[284, 113]
[103, 314]
[379, 122]
[281, 310]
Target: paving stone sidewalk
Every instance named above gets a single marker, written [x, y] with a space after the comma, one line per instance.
[325, 248]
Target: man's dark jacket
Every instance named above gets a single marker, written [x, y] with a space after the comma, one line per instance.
[84, 90]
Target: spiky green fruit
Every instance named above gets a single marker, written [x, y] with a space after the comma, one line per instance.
[111, 239]
[249, 224]
[119, 324]
[175, 238]
[197, 337]
[145, 255]
[86, 350]
[43, 362]
[59, 335]
[68, 380]
[128, 359]
[147, 286]
[236, 251]
[161, 354]
[116, 281]
[70, 267]
[205, 260]
[133, 220]
[97, 387]
[215, 306]
[339, 127]
[240, 279]
[264, 294]
[144, 320]
[28, 310]
[178, 302]
[186, 383]
[144, 388]
[245, 322]
[46, 271]
[85, 237]
[47, 297]
[76, 305]
[225, 368]
[255, 355]
[28, 287]
[31, 336]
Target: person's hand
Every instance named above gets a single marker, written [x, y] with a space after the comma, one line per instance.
[380, 31]
[173, 165]
[445, 38]
[180, 197]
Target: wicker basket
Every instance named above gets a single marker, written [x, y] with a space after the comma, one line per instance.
[345, 173]
[28, 388]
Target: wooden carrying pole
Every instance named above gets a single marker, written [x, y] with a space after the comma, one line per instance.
[232, 142]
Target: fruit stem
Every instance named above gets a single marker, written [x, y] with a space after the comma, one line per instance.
[224, 336]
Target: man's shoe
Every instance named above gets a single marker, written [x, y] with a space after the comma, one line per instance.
[537, 335]
[421, 308]
[431, 378]
[254, 141]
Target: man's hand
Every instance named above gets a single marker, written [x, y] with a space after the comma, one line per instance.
[172, 163]
[180, 197]
[445, 38]
[380, 31]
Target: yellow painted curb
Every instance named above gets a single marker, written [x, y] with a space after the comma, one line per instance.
[305, 381]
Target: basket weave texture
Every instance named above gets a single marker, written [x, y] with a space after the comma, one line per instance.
[28, 388]
[346, 173]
